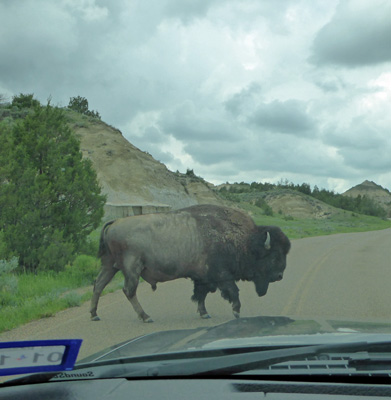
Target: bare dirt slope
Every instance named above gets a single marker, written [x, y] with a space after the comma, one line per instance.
[131, 176]
[299, 205]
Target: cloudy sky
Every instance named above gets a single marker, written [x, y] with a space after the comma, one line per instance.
[237, 90]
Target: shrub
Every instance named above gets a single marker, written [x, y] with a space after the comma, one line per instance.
[73, 299]
[8, 282]
[261, 203]
[84, 269]
[25, 101]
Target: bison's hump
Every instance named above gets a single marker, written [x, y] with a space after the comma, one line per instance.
[218, 224]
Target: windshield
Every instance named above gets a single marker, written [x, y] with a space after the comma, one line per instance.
[193, 176]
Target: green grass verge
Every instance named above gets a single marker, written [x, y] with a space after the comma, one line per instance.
[43, 295]
[295, 228]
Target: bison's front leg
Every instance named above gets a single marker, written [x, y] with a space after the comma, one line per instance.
[201, 289]
[230, 292]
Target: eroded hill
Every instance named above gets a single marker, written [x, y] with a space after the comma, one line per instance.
[131, 176]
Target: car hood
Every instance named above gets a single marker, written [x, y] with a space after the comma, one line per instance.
[243, 332]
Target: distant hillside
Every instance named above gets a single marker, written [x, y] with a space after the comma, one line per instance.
[375, 192]
[131, 176]
[287, 202]
[299, 200]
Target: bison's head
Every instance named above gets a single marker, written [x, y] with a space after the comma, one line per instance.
[270, 247]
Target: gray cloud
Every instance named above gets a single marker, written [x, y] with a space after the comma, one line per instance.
[329, 83]
[152, 134]
[276, 152]
[358, 35]
[362, 146]
[187, 10]
[237, 103]
[358, 135]
[285, 117]
[216, 152]
[184, 123]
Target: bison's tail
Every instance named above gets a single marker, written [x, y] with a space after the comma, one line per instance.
[103, 249]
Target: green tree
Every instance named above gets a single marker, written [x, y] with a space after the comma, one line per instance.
[50, 199]
[80, 105]
[304, 188]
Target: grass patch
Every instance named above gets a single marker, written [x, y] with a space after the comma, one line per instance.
[296, 228]
[42, 295]
[44, 306]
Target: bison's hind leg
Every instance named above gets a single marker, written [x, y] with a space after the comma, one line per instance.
[201, 289]
[131, 268]
[105, 275]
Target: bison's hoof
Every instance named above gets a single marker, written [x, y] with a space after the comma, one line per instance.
[205, 316]
[236, 314]
[148, 320]
[96, 318]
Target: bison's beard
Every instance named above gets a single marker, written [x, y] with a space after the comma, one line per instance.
[261, 287]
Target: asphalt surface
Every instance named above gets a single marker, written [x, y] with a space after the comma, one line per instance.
[338, 276]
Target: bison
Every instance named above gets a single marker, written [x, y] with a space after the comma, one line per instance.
[212, 245]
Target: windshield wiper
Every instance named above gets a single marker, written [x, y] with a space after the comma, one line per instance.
[364, 361]
[236, 363]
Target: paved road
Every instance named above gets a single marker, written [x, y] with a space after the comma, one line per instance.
[338, 276]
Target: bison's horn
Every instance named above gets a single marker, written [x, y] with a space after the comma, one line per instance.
[267, 241]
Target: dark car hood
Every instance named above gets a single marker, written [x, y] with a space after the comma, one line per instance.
[248, 332]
